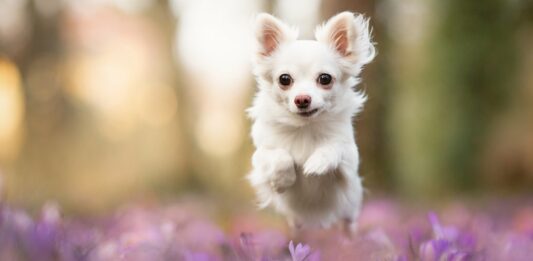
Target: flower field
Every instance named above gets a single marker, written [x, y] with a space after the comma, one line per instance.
[183, 231]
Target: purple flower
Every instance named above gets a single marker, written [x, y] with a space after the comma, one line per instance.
[450, 233]
[401, 258]
[302, 252]
[433, 249]
[41, 239]
[77, 242]
[246, 249]
[199, 256]
[449, 243]
[457, 256]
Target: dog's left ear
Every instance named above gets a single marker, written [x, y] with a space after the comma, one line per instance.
[349, 35]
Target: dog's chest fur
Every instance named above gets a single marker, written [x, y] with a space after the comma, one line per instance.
[311, 194]
[301, 142]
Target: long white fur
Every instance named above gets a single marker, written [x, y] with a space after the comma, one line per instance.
[307, 167]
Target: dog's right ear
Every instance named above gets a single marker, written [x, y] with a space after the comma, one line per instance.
[271, 33]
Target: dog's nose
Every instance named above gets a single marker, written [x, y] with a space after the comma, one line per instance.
[302, 101]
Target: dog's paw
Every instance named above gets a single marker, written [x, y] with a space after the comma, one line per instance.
[320, 162]
[283, 179]
[272, 160]
[277, 167]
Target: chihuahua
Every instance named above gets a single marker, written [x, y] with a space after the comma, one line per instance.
[306, 159]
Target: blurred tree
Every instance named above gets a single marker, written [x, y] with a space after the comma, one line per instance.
[507, 154]
[11, 115]
[46, 109]
[68, 156]
[462, 73]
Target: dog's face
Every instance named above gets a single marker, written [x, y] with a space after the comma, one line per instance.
[305, 77]
[310, 77]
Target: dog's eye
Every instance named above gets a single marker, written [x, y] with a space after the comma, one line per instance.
[324, 79]
[285, 80]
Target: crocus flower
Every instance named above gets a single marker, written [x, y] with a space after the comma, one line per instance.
[302, 253]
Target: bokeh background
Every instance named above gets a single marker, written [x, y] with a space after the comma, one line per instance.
[104, 102]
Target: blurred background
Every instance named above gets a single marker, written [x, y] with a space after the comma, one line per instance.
[107, 101]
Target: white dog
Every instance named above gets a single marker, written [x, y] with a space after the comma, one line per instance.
[306, 161]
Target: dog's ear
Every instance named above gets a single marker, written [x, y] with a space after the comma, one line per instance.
[349, 35]
[270, 33]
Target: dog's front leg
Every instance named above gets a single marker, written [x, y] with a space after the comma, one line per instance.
[323, 160]
[277, 166]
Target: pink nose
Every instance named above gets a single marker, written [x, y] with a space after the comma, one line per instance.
[302, 101]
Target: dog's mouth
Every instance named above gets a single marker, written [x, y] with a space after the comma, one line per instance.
[308, 113]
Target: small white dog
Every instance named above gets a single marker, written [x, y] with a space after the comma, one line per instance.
[306, 161]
